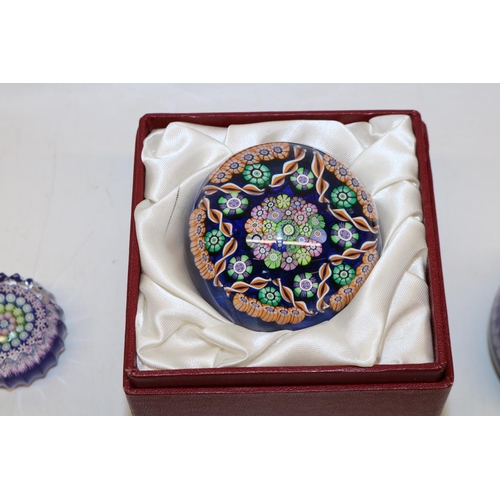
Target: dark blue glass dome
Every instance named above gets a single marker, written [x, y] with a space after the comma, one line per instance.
[282, 236]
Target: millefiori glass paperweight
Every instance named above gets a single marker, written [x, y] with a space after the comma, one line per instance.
[282, 236]
[32, 331]
[494, 332]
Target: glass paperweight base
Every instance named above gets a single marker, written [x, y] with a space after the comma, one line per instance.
[494, 333]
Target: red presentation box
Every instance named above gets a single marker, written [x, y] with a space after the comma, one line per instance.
[410, 389]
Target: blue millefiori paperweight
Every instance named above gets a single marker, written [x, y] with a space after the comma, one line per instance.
[282, 236]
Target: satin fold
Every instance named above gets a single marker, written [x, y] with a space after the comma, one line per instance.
[387, 322]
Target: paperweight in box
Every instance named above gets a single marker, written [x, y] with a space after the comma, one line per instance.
[282, 236]
[32, 331]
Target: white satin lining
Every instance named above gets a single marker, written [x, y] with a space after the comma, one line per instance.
[387, 322]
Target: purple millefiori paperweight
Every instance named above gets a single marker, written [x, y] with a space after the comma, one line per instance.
[32, 331]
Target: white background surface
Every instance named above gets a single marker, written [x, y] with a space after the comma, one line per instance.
[66, 158]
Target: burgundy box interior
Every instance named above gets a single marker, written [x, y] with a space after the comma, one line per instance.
[419, 389]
